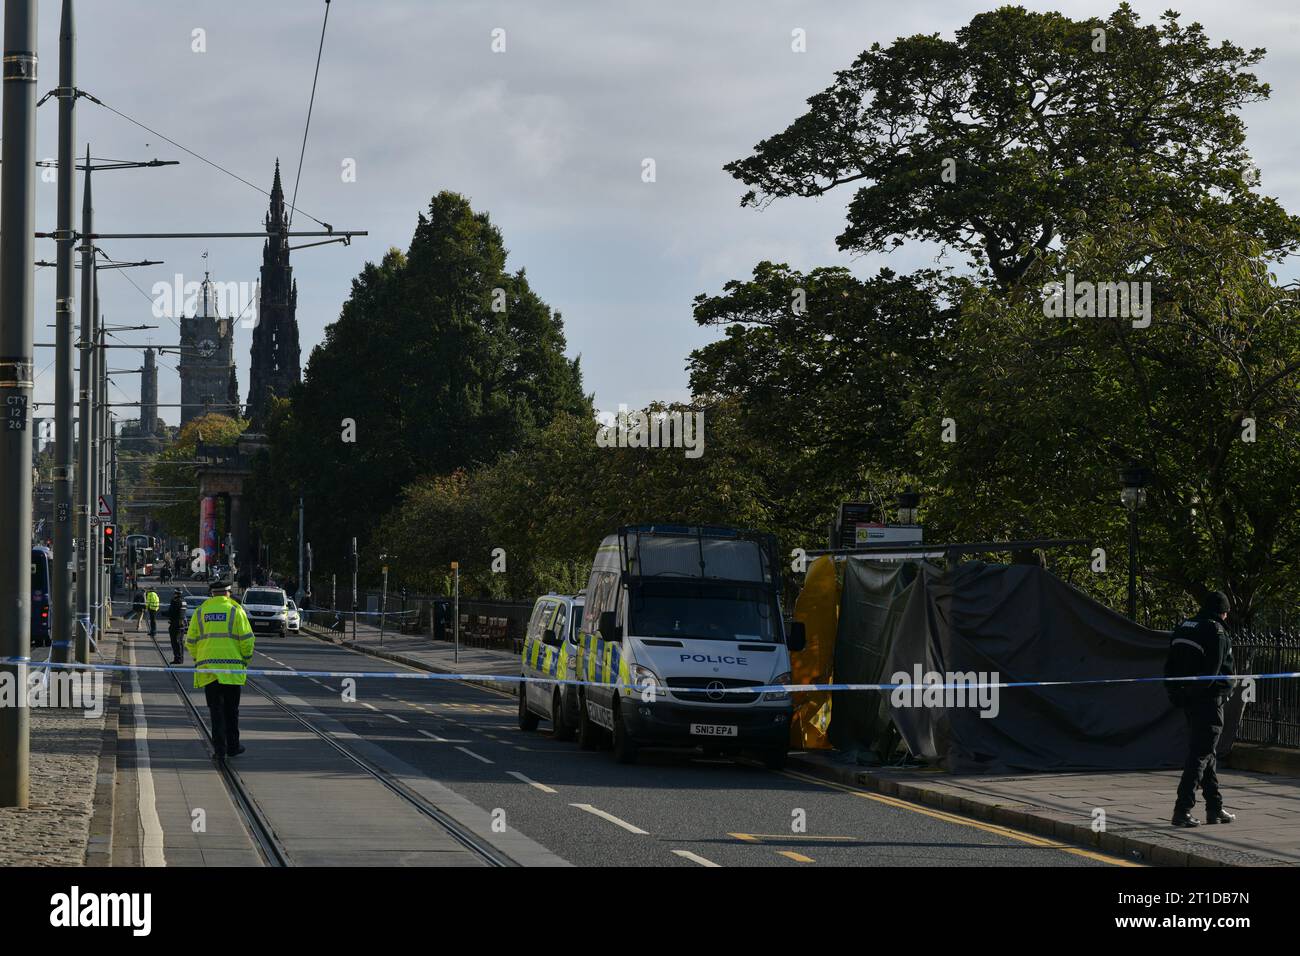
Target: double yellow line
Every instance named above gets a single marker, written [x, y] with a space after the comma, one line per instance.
[1007, 832]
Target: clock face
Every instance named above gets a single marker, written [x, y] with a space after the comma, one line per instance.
[207, 348]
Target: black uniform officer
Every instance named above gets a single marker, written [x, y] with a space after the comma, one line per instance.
[175, 618]
[1202, 646]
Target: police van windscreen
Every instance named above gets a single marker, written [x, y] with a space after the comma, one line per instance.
[704, 612]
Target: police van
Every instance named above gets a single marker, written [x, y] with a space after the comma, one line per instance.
[679, 621]
[550, 645]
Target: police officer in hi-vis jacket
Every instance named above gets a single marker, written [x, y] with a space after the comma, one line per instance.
[220, 640]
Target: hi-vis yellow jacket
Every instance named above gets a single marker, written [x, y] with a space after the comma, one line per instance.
[151, 600]
[219, 638]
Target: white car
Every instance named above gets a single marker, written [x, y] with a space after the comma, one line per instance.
[192, 602]
[293, 619]
[267, 609]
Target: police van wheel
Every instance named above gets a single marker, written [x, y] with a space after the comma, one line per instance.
[527, 719]
[624, 748]
[560, 728]
[588, 738]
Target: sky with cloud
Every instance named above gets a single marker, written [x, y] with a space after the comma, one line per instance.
[548, 137]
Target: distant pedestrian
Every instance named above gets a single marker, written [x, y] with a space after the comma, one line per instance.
[175, 618]
[151, 604]
[221, 639]
[1201, 647]
[137, 609]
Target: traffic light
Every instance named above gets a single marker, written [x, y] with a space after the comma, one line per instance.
[110, 544]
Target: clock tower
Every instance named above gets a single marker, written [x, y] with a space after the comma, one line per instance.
[207, 363]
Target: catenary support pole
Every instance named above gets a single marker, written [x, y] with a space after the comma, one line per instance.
[17, 327]
[63, 624]
[85, 429]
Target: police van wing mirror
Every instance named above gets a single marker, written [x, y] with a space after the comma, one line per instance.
[549, 638]
[609, 630]
[797, 639]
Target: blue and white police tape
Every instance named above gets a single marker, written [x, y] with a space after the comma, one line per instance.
[755, 689]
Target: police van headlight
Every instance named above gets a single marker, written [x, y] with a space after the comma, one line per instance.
[644, 677]
[779, 694]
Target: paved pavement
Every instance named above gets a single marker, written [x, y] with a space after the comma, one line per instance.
[55, 829]
[1136, 805]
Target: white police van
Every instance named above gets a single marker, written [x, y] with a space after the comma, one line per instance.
[679, 621]
[550, 646]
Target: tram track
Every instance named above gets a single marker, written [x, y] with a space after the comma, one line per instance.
[260, 828]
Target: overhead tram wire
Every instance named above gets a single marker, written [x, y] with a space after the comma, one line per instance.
[310, 105]
[122, 272]
[157, 349]
[201, 158]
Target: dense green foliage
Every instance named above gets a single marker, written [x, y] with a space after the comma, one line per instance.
[441, 359]
[1037, 148]
[172, 469]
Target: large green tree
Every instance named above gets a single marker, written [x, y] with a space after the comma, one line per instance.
[1048, 407]
[548, 504]
[440, 359]
[1041, 148]
[821, 367]
[994, 142]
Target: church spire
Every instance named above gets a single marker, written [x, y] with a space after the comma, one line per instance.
[275, 218]
[276, 359]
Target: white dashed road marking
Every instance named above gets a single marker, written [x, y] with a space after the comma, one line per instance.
[532, 783]
[695, 858]
[611, 818]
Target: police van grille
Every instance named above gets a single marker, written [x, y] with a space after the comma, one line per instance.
[685, 688]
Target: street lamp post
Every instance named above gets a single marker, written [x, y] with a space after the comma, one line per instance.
[455, 609]
[1134, 496]
[383, 601]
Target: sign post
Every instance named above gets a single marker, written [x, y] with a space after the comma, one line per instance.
[383, 602]
[455, 609]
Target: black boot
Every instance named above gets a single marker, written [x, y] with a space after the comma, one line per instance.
[1219, 816]
[1183, 818]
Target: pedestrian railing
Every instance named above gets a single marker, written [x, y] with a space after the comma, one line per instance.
[1274, 715]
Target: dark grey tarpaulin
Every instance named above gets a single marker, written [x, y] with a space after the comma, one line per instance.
[1024, 624]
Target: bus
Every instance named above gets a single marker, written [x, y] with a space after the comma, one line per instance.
[40, 596]
[140, 553]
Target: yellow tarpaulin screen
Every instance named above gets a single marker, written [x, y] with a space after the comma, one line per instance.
[818, 607]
